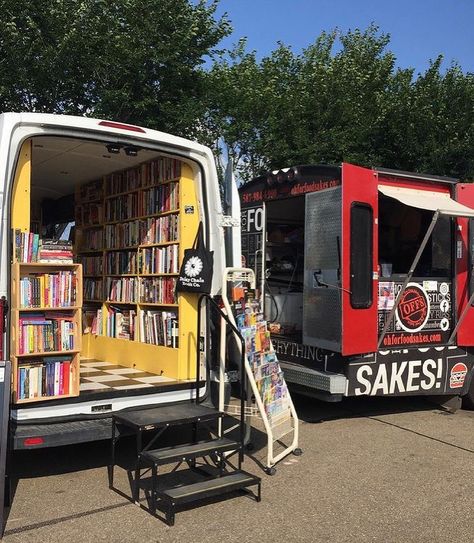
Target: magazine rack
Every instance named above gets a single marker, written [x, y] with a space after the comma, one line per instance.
[264, 375]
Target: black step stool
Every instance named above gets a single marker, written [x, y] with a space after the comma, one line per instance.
[161, 418]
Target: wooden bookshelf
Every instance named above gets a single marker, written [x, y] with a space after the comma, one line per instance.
[27, 313]
[142, 216]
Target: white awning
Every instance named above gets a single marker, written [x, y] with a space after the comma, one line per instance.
[427, 199]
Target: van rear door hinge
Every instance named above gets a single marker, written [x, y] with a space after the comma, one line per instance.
[227, 221]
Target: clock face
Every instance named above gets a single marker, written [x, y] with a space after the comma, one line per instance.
[193, 266]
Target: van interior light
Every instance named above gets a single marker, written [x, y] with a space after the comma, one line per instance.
[131, 151]
[113, 148]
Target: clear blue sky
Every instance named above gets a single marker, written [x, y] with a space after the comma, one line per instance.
[420, 29]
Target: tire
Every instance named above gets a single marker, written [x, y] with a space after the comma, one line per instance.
[468, 399]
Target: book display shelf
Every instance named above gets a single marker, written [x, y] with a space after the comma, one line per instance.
[45, 330]
[131, 232]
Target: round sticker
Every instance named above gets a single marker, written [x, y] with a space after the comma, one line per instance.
[444, 324]
[444, 306]
[444, 289]
[414, 308]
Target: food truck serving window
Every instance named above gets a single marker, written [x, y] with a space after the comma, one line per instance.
[401, 232]
[362, 217]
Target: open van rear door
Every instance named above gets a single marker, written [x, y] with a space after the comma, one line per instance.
[465, 268]
[341, 257]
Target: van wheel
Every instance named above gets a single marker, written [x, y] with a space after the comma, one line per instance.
[468, 399]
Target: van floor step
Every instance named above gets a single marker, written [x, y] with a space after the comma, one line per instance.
[189, 451]
[209, 487]
[167, 415]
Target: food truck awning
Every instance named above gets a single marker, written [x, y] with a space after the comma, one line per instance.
[427, 199]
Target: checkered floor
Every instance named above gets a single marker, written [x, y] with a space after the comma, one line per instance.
[97, 375]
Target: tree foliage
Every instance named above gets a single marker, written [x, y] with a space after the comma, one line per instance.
[341, 99]
[142, 61]
[132, 60]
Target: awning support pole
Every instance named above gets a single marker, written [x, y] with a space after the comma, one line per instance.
[461, 318]
[411, 271]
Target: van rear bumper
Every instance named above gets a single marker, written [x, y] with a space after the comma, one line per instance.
[40, 436]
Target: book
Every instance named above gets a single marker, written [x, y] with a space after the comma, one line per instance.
[26, 246]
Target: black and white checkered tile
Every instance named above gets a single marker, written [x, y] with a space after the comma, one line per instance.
[98, 375]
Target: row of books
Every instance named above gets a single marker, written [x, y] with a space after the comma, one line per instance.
[157, 290]
[160, 259]
[88, 214]
[47, 376]
[120, 323]
[159, 328]
[92, 240]
[92, 289]
[55, 289]
[30, 248]
[92, 320]
[121, 262]
[122, 208]
[122, 290]
[91, 265]
[91, 191]
[159, 229]
[26, 246]
[126, 234]
[40, 332]
[148, 173]
[159, 199]
[142, 231]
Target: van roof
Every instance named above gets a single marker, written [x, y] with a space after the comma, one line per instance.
[102, 127]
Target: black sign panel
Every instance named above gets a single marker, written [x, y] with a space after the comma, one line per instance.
[432, 370]
[289, 182]
[252, 220]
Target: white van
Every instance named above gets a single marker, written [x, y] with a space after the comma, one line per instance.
[101, 329]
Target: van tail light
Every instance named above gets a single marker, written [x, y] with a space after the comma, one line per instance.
[122, 126]
[32, 441]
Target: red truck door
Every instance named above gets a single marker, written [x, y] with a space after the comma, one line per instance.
[359, 259]
[465, 267]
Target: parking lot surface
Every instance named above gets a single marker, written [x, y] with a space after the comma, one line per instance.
[384, 470]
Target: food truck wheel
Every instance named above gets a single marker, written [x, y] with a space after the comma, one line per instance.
[298, 451]
[270, 471]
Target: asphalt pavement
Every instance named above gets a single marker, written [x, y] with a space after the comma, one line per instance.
[382, 470]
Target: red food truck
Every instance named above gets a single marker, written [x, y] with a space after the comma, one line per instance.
[366, 278]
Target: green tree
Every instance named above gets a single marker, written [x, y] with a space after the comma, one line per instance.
[132, 60]
[341, 99]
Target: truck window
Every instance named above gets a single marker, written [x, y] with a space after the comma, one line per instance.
[361, 255]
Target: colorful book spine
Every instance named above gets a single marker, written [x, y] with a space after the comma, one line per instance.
[49, 376]
[121, 262]
[159, 328]
[26, 246]
[55, 289]
[93, 289]
[157, 290]
[160, 260]
[41, 333]
[122, 290]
